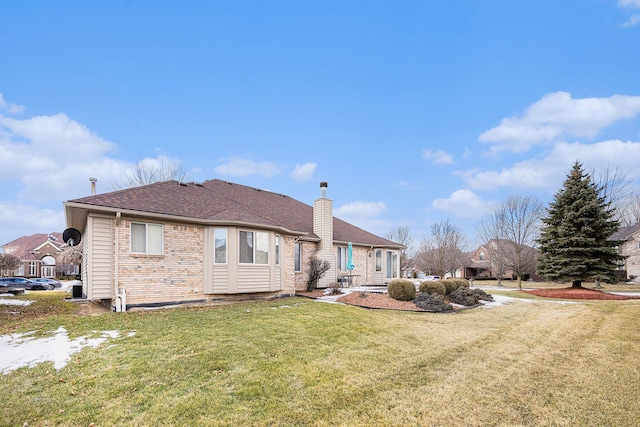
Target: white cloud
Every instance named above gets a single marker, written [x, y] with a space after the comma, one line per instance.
[360, 209]
[463, 203]
[363, 214]
[10, 108]
[440, 157]
[244, 167]
[556, 116]
[304, 172]
[630, 5]
[53, 157]
[632, 21]
[45, 161]
[549, 172]
[24, 220]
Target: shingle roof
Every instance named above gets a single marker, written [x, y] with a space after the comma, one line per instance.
[26, 244]
[624, 233]
[217, 200]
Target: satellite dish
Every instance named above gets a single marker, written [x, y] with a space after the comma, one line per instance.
[71, 236]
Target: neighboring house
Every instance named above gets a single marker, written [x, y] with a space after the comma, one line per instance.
[630, 247]
[490, 260]
[173, 242]
[41, 255]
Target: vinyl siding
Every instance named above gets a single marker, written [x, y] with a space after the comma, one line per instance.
[100, 264]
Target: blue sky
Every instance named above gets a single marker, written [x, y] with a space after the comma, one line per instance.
[413, 111]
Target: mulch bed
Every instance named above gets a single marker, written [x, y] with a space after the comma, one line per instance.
[577, 293]
[384, 301]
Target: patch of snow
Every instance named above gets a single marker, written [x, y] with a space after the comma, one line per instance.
[4, 301]
[24, 350]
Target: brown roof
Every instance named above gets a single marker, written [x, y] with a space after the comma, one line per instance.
[26, 244]
[625, 233]
[217, 200]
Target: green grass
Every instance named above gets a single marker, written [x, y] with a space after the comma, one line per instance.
[298, 362]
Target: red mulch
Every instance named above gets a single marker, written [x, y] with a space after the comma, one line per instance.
[577, 293]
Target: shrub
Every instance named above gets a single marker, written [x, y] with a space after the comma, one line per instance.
[334, 288]
[432, 287]
[453, 284]
[432, 302]
[401, 290]
[316, 270]
[469, 297]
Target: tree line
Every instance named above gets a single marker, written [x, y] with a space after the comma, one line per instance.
[569, 240]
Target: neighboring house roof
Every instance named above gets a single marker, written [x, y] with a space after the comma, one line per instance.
[490, 249]
[23, 247]
[218, 202]
[624, 233]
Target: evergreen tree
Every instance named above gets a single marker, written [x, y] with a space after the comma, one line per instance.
[574, 240]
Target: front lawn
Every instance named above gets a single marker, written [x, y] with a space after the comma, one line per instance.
[302, 362]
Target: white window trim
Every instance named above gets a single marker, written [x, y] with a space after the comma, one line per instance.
[297, 268]
[342, 259]
[226, 246]
[255, 247]
[146, 236]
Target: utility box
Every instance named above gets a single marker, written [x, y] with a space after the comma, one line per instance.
[76, 291]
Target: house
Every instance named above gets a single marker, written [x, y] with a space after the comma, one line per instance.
[629, 238]
[491, 260]
[173, 242]
[41, 255]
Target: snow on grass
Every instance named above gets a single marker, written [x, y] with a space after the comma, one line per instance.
[24, 350]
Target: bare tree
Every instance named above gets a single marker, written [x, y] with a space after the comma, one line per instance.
[8, 263]
[441, 252]
[618, 189]
[70, 255]
[148, 171]
[401, 235]
[511, 230]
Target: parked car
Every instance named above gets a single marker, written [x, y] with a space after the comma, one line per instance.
[8, 287]
[28, 284]
[432, 278]
[54, 282]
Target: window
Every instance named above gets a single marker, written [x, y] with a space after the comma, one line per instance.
[392, 262]
[32, 268]
[378, 259]
[254, 247]
[297, 257]
[220, 237]
[146, 238]
[342, 258]
[277, 250]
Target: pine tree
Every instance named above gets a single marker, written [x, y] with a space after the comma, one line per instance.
[574, 240]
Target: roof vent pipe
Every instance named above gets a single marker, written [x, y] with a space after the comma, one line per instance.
[93, 185]
[323, 189]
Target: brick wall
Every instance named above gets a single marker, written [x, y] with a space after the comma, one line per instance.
[177, 275]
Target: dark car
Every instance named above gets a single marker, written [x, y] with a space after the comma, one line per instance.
[55, 283]
[7, 286]
[21, 282]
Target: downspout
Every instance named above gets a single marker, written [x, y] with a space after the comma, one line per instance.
[120, 299]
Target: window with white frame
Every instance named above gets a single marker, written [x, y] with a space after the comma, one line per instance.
[147, 238]
[254, 247]
[32, 268]
[277, 249]
[297, 263]
[378, 259]
[220, 237]
[342, 258]
[392, 264]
